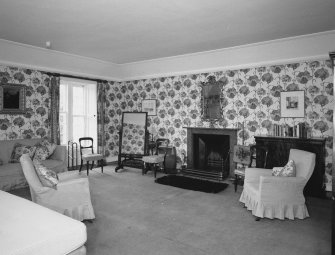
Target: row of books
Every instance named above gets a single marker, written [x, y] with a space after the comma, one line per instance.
[300, 130]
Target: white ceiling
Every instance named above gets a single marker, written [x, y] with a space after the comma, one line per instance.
[123, 31]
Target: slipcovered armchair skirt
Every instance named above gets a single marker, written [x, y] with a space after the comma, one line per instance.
[70, 197]
[278, 197]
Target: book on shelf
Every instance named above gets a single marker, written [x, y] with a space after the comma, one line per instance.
[299, 130]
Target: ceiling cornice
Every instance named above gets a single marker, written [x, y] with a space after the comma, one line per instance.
[28, 56]
[287, 39]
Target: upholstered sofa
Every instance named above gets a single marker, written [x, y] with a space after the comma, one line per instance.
[11, 175]
[30, 229]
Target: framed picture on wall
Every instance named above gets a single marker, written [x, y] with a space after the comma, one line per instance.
[12, 99]
[292, 104]
[149, 106]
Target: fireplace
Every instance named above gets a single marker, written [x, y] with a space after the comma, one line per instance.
[209, 152]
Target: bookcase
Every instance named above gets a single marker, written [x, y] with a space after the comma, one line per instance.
[279, 150]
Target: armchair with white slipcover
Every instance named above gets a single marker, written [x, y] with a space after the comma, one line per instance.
[278, 197]
[71, 196]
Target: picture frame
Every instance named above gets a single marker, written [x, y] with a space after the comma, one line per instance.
[292, 104]
[12, 99]
[149, 106]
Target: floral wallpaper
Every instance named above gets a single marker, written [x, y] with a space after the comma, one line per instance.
[250, 98]
[133, 139]
[34, 123]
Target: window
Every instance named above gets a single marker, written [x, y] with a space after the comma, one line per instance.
[77, 110]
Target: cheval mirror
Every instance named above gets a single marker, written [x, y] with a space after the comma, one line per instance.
[133, 138]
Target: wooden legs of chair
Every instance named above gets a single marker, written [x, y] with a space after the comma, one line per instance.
[151, 166]
[101, 162]
[81, 165]
[88, 166]
[235, 182]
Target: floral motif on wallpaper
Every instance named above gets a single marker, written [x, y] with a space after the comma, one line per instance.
[133, 139]
[250, 98]
[34, 123]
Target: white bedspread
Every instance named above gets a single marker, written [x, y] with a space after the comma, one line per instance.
[28, 228]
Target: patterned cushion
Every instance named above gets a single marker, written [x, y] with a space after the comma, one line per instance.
[288, 170]
[47, 177]
[44, 150]
[240, 171]
[90, 157]
[19, 150]
[153, 159]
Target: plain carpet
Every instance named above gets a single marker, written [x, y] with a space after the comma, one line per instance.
[184, 182]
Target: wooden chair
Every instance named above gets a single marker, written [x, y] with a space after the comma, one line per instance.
[87, 154]
[259, 152]
[246, 156]
[157, 161]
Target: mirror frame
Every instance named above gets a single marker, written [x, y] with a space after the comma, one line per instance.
[20, 99]
[205, 104]
[145, 116]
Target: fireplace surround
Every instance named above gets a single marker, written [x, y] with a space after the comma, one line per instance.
[210, 152]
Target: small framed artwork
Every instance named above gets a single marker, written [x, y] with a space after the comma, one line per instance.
[292, 104]
[149, 106]
[12, 99]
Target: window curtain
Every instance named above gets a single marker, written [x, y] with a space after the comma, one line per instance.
[101, 108]
[54, 109]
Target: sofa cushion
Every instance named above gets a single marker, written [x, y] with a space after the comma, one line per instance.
[47, 177]
[6, 147]
[20, 149]
[41, 153]
[44, 150]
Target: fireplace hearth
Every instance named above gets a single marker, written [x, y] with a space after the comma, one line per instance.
[209, 153]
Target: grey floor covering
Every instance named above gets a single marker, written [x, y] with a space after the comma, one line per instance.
[135, 215]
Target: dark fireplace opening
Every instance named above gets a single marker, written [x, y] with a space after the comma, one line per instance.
[211, 153]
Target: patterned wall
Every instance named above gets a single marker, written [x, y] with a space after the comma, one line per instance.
[251, 97]
[35, 122]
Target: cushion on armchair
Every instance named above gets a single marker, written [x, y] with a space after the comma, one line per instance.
[47, 177]
[289, 170]
[19, 150]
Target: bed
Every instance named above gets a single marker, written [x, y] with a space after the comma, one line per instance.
[30, 229]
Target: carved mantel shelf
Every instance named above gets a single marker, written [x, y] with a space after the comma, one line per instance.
[214, 129]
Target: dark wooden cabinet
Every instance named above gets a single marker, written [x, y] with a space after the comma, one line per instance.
[279, 150]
